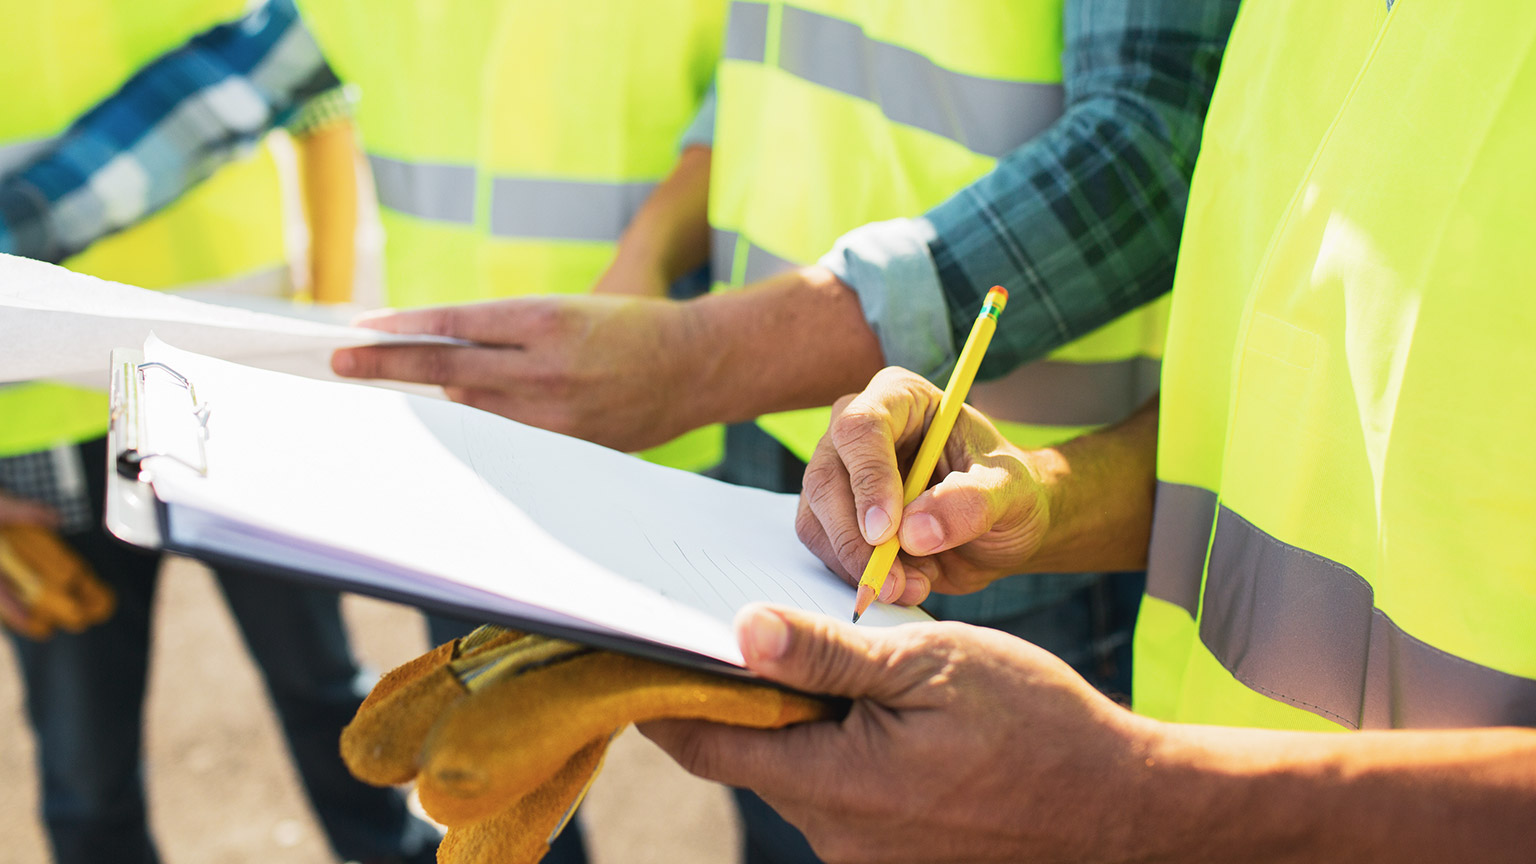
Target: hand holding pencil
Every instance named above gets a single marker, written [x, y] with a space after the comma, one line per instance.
[980, 522]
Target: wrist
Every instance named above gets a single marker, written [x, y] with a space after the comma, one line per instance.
[692, 377]
[1047, 479]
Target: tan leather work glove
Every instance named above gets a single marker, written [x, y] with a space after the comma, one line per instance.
[45, 586]
[505, 731]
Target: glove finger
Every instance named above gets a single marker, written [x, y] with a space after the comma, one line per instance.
[36, 557]
[18, 619]
[17, 568]
[56, 605]
[97, 600]
[514, 733]
[382, 744]
[522, 833]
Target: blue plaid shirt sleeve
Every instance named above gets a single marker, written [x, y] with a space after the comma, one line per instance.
[1081, 224]
[169, 127]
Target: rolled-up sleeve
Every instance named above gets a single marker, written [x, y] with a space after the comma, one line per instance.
[166, 129]
[1081, 224]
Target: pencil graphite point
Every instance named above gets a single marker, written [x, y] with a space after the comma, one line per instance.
[866, 597]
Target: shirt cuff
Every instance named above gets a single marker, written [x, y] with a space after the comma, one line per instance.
[889, 266]
[701, 132]
[321, 110]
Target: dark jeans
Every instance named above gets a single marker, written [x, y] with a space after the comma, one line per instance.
[85, 698]
[1089, 628]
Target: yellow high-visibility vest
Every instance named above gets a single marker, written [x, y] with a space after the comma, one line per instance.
[512, 142]
[909, 101]
[1346, 489]
[61, 58]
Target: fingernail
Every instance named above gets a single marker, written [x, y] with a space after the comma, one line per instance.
[342, 363]
[888, 590]
[876, 523]
[921, 534]
[766, 637]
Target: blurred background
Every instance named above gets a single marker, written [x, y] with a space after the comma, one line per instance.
[223, 791]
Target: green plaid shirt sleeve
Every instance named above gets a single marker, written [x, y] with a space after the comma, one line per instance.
[1081, 224]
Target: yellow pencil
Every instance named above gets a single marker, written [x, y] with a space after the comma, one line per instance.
[880, 562]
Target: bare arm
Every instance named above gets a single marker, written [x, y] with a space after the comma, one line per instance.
[669, 236]
[966, 744]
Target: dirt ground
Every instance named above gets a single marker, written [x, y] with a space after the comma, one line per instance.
[222, 790]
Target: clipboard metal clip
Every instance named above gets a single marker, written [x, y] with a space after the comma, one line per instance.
[127, 417]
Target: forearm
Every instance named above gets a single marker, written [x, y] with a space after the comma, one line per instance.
[797, 340]
[669, 236]
[1219, 794]
[1099, 491]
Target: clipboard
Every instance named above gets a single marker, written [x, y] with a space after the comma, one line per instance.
[138, 513]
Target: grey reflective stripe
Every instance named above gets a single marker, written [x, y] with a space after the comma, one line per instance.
[530, 207]
[746, 34]
[1181, 531]
[1304, 630]
[1055, 393]
[564, 209]
[17, 153]
[760, 262]
[986, 115]
[722, 254]
[445, 193]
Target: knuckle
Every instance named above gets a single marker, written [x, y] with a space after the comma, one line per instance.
[848, 543]
[972, 514]
[869, 476]
[856, 426]
[691, 752]
[821, 480]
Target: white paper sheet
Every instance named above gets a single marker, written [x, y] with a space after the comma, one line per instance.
[458, 503]
[60, 325]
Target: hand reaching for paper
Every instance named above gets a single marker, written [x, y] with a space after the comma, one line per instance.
[44, 585]
[504, 731]
[607, 369]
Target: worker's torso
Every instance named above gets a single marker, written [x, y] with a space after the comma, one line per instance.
[1346, 486]
[59, 59]
[837, 113]
[511, 142]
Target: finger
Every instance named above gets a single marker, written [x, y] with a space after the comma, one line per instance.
[512, 322]
[809, 529]
[917, 578]
[817, 654]
[441, 365]
[769, 761]
[828, 523]
[892, 411]
[959, 509]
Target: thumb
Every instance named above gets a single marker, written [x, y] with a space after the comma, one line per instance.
[962, 507]
[816, 654]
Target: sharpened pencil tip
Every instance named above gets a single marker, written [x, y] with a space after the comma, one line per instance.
[865, 597]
